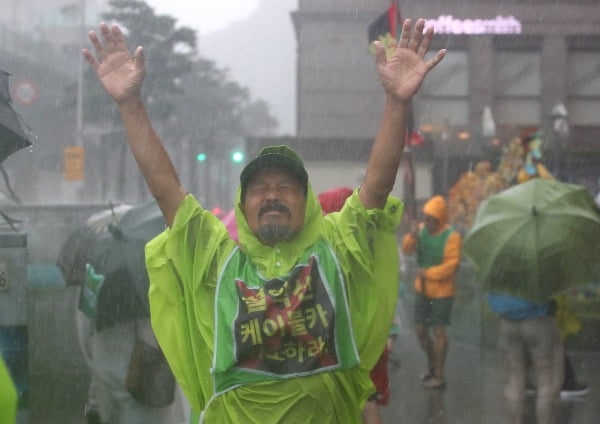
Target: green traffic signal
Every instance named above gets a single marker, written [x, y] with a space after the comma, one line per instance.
[201, 157]
[237, 156]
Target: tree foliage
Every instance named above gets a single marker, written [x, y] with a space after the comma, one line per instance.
[180, 86]
[193, 104]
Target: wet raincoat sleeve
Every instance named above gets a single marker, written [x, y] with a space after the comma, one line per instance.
[8, 395]
[182, 263]
[365, 241]
[409, 244]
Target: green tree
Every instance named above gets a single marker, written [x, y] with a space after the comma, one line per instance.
[169, 52]
[192, 103]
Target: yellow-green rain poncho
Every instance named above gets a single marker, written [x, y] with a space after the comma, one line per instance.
[322, 377]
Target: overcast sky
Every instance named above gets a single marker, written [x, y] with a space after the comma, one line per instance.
[205, 16]
[253, 39]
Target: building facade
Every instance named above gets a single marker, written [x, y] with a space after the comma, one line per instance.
[40, 45]
[518, 58]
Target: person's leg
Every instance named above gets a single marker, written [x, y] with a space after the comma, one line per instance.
[370, 414]
[548, 360]
[571, 386]
[514, 389]
[569, 380]
[421, 318]
[440, 350]
[440, 319]
[422, 332]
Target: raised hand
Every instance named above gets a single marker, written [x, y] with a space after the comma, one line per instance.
[403, 73]
[120, 73]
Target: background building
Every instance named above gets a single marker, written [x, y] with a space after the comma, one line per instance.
[519, 58]
[40, 41]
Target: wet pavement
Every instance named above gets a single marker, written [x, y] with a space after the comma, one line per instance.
[474, 382]
[474, 375]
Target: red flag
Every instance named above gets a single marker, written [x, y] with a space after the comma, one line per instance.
[384, 29]
[385, 24]
[409, 195]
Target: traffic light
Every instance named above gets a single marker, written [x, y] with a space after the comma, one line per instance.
[201, 157]
[237, 157]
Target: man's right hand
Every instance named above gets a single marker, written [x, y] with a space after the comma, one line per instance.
[120, 74]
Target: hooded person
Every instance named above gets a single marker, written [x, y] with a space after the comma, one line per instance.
[315, 306]
[437, 247]
[286, 325]
[532, 167]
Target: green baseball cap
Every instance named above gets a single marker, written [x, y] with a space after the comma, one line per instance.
[274, 156]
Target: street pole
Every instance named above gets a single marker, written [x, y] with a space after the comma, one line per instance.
[79, 113]
[556, 155]
[560, 129]
[75, 154]
[445, 137]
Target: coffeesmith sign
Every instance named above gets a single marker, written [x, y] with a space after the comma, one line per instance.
[447, 24]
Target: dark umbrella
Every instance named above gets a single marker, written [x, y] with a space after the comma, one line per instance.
[80, 245]
[119, 256]
[76, 251]
[14, 133]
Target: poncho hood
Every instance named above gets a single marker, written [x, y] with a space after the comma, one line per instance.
[291, 250]
[436, 207]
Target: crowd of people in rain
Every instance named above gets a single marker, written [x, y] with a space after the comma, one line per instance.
[293, 320]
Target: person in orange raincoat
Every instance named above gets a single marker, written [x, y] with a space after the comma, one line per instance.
[437, 247]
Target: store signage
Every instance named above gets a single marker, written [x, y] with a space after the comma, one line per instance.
[447, 24]
[74, 163]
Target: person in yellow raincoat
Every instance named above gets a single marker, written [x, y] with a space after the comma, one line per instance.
[285, 326]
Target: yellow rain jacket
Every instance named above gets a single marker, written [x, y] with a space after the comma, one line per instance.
[8, 395]
[189, 267]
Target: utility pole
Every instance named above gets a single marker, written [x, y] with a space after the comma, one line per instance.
[79, 116]
[75, 154]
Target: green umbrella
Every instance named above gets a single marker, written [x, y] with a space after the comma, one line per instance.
[535, 239]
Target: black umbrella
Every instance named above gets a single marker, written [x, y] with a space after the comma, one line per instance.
[80, 246]
[76, 251]
[119, 256]
[14, 133]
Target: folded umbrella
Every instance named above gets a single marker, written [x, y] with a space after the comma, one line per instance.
[119, 257]
[78, 248]
[535, 239]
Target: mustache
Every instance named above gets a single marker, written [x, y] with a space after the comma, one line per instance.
[273, 207]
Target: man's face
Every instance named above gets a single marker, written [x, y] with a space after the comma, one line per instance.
[431, 224]
[274, 205]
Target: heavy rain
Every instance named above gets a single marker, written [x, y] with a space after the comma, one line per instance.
[503, 133]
